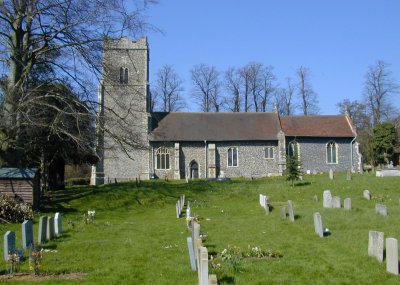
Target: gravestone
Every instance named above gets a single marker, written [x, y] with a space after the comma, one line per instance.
[195, 236]
[327, 199]
[331, 174]
[367, 194]
[264, 199]
[58, 225]
[212, 279]
[392, 256]
[8, 244]
[50, 228]
[291, 210]
[381, 209]
[27, 234]
[192, 257]
[347, 203]
[376, 245]
[203, 266]
[336, 203]
[348, 176]
[178, 210]
[318, 224]
[283, 213]
[42, 230]
[315, 198]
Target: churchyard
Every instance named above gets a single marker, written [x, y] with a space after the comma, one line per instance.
[137, 233]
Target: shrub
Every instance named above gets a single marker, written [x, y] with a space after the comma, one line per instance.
[77, 181]
[13, 210]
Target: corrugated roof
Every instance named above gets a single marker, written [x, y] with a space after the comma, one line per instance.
[17, 173]
[182, 126]
[317, 126]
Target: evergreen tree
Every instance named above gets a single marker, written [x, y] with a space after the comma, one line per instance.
[384, 140]
[293, 171]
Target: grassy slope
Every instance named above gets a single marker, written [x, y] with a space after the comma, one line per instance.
[137, 239]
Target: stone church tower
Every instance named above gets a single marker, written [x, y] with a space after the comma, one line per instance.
[124, 101]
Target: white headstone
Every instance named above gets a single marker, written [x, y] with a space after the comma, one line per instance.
[318, 224]
[392, 256]
[203, 266]
[347, 203]
[283, 213]
[291, 210]
[376, 245]
[336, 203]
[192, 257]
[367, 194]
[27, 234]
[331, 174]
[8, 244]
[327, 199]
[42, 230]
[58, 225]
[50, 228]
[381, 209]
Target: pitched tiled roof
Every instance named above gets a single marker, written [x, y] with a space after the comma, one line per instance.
[215, 126]
[17, 173]
[317, 126]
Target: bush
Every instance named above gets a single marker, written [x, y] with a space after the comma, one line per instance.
[13, 210]
[77, 181]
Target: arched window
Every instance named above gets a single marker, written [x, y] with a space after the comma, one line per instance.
[123, 75]
[293, 149]
[331, 153]
[233, 157]
[162, 156]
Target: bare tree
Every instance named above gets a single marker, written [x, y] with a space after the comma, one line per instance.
[308, 98]
[254, 70]
[245, 75]
[169, 87]
[284, 98]
[379, 87]
[233, 82]
[268, 86]
[206, 85]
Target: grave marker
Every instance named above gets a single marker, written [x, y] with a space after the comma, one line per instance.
[381, 209]
[318, 224]
[58, 225]
[348, 176]
[212, 279]
[291, 210]
[331, 174]
[283, 213]
[367, 194]
[347, 203]
[192, 257]
[50, 228]
[327, 199]
[27, 234]
[392, 256]
[42, 230]
[376, 245]
[8, 244]
[336, 203]
[203, 266]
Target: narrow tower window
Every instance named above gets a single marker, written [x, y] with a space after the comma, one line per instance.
[123, 75]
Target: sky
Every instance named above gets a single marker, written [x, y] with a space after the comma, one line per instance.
[337, 40]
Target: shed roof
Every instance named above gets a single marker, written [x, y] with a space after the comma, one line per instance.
[181, 126]
[17, 173]
[317, 126]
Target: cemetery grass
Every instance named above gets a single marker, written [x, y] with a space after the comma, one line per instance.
[137, 239]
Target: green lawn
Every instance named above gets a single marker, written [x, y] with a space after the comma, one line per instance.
[137, 239]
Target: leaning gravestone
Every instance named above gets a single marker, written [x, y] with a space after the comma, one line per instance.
[347, 203]
[327, 199]
[392, 256]
[192, 257]
[376, 245]
[42, 230]
[50, 228]
[336, 202]
[27, 234]
[8, 244]
[58, 225]
[367, 194]
[318, 224]
[291, 210]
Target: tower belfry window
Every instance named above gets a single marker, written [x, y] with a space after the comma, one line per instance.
[123, 75]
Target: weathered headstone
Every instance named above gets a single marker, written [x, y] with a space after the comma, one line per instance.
[291, 210]
[392, 256]
[283, 213]
[315, 198]
[27, 234]
[192, 257]
[367, 194]
[336, 203]
[347, 203]
[381, 209]
[327, 199]
[58, 225]
[203, 266]
[8, 244]
[331, 174]
[42, 230]
[318, 224]
[212, 279]
[376, 245]
[50, 228]
[348, 176]
[195, 236]
[178, 210]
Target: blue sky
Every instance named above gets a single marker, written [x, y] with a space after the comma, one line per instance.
[336, 39]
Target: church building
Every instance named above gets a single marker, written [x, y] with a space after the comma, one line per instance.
[134, 142]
